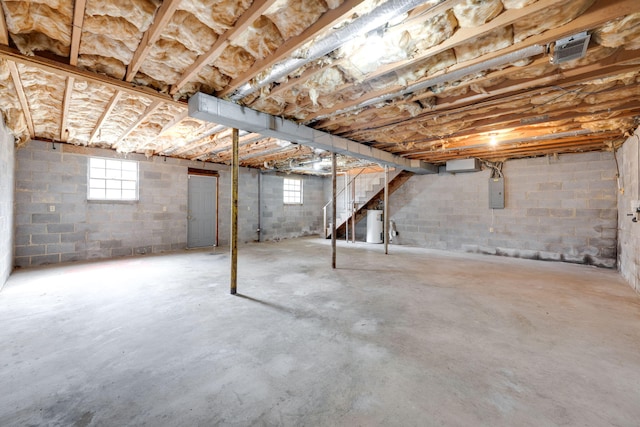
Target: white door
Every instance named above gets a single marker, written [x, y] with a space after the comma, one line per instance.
[201, 215]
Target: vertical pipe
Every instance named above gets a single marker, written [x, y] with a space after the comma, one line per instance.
[346, 205]
[234, 213]
[333, 209]
[345, 188]
[353, 209]
[259, 205]
[324, 221]
[386, 209]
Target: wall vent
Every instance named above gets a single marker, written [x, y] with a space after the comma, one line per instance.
[570, 48]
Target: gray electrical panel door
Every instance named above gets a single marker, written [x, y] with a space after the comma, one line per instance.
[496, 193]
[201, 216]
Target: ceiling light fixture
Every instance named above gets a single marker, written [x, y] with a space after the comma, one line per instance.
[536, 138]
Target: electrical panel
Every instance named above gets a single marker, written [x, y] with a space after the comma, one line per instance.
[496, 193]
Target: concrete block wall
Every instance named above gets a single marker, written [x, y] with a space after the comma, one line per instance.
[247, 206]
[280, 221]
[54, 222]
[7, 167]
[560, 209]
[628, 231]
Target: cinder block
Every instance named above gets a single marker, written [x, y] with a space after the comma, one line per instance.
[30, 250]
[64, 168]
[45, 259]
[143, 250]
[536, 212]
[609, 252]
[120, 252]
[549, 186]
[31, 186]
[73, 237]
[562, 213]
[602, 184]
[48, 218]
[549, 256]
[45, 238]
[31, 208]
[49, 156]
[28, 229]
[602, 204]
[72, 257]
[60, 228]
[62, 188]
[110, 244]
[22, 240]
[57, 248]
[151, 175]
[21, 261]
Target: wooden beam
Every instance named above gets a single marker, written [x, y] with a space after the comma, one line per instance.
[599, 13]
[17, 83]
[558, 146]
[217, 137]
[76, 32]
[4, 31]
[66, 101]
[222, 146]
[326, 21]
[247, 18]
[145, 115]
[234, 215]
[311, 71]
[112, 103]
[603, 68]
[177, 119]
[67, 70]
[163, 16]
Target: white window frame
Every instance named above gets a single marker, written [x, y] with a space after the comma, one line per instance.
[112, 179]
[292, 191]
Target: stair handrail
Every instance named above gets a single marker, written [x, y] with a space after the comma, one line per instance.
[345, 187]
[324, 208]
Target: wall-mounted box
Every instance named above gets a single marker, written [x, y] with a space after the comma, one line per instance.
[496, 193]
[463, 165]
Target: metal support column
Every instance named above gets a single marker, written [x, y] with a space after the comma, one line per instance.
[353, 209]
[334, 198]
[386, 209]
[234, 212]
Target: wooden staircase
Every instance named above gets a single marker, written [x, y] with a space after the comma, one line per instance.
[374, 198]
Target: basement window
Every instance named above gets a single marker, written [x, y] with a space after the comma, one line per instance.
[292, 191]
[111, 179]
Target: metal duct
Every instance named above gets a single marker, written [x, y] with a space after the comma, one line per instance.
[211, 109]
[447, 77]
[369, 22]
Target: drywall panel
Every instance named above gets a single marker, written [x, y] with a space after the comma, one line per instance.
[7, 168]
[560, 209]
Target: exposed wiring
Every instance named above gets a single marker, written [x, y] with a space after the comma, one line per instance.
[496, 168]
[618, 177]
[583, 91]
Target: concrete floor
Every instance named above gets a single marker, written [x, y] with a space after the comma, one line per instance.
[418, 337]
